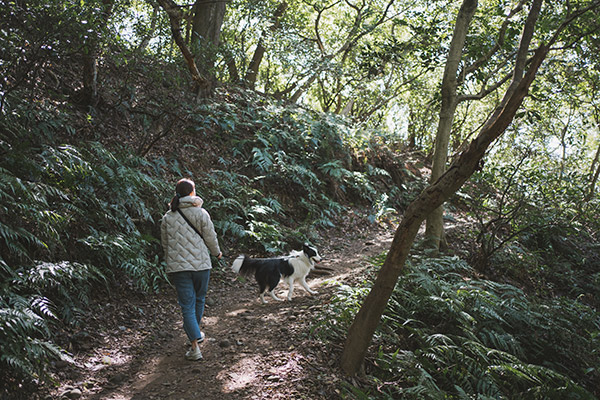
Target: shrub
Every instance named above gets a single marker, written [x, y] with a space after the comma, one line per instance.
[447, 334]
[71, 218]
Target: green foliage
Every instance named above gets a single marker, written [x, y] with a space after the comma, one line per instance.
[242, 212]
[24, 336]
[37, 34]
[34, 300]
[448, 334]
[65, 286]
[75, 216]
[532, 222]
[289, 175]
[72, 219]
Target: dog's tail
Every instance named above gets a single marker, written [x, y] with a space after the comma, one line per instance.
[237, 264]
[244, 265]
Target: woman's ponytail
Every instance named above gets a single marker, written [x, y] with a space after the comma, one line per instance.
[175, 202]
[183, 188]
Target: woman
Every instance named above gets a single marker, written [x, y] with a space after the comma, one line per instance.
[187, 253]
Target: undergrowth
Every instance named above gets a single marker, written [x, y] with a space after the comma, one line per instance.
[71, 219]
[448, 334]
[289, 172]
[77, 218]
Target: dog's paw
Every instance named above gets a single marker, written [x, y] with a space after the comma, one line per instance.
[275, 297]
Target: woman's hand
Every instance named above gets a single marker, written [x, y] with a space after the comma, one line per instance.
[220, 255]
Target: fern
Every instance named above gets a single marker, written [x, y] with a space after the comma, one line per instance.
[53, 199]
[68, 284]
[262, 160]
[334, 169]
[462, 337]
[268, 235]
[23, 348]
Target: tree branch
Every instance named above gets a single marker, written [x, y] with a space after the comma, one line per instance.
[592, 6]
[351, 40]
[175, 18]
[501, 36]
[369, 315]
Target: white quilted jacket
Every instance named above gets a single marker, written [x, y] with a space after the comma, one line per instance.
[184, 249]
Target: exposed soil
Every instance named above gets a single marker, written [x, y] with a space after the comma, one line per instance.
[134, 347]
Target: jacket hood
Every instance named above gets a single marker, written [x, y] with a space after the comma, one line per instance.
[190, 201]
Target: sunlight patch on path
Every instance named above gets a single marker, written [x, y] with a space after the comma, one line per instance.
[237, 312]
[107, 358]
[240, 375]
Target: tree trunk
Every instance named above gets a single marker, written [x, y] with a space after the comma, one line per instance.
[234, 76]
[90, 78]
[202, 85]
[435, 224]
[254, 65]
[366, 321]
[90, 61]
[347, 108]
[595, 170]
[298, 93]
[252, 72]
[563, 144]
[148, 36]
[206, 32]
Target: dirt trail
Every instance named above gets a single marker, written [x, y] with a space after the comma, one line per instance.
[251, 351]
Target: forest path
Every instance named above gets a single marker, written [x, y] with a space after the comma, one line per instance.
[252, 350]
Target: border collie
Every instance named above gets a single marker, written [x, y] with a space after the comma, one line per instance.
[268, 271]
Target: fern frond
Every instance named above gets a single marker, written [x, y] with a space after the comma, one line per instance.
[262, 160]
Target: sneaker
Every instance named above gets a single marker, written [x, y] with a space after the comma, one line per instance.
[201, 338]
[193, 354]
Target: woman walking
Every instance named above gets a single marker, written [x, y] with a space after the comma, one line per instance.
[188, 238]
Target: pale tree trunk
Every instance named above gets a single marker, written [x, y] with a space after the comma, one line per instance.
[90, 78]
[595, 171]
[595, 168]
[305, 86]
[347, 108]
[259, 53]
[89, 61]
[368, 317]
[146, 39]
[563, 144]
[412, 131]
[435, 224]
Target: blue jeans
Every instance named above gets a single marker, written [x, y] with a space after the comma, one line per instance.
[191, 289]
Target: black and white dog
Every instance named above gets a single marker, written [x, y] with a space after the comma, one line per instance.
[268, 271]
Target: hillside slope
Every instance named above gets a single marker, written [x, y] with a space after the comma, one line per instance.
[91, 184]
